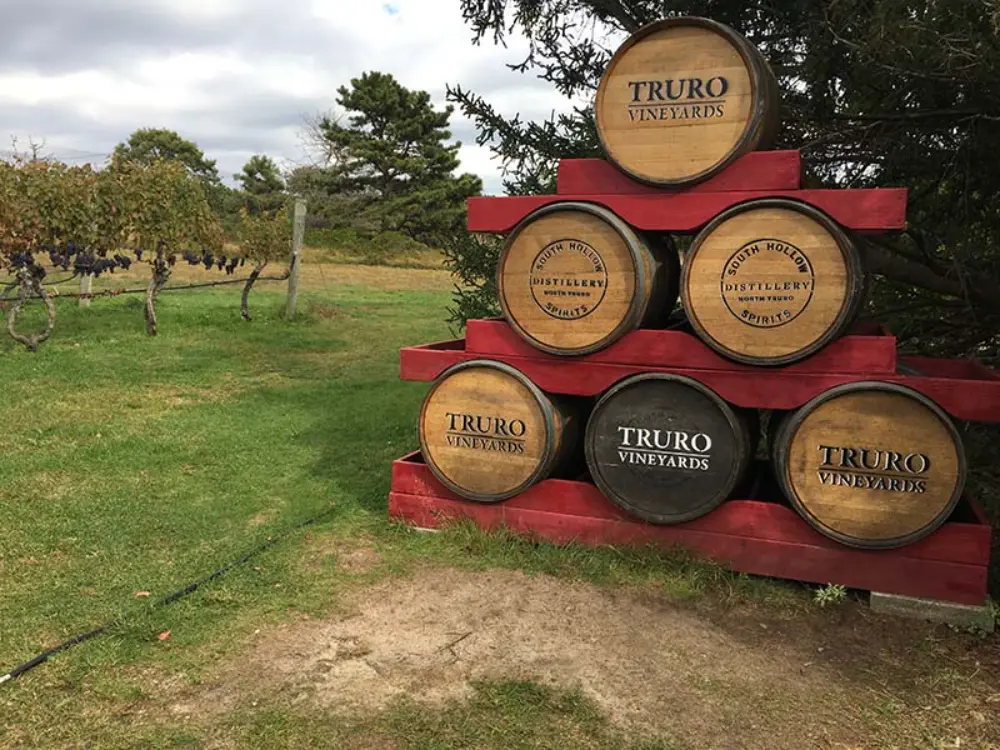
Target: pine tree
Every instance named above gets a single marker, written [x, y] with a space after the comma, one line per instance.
[393, 151]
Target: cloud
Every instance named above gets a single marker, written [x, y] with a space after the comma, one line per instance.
[239, 76]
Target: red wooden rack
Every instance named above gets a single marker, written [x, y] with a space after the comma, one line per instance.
[757, 536]
[759, 533]
[965, 389]
[762, 174]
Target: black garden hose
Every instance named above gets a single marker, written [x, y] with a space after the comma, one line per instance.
[169, 599]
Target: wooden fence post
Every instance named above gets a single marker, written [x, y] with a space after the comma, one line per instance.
[298, 233]
[86, 281]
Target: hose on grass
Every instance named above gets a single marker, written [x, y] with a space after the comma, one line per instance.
[168, 599]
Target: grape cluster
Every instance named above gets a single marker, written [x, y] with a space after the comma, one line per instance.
[208, 260]
[85, 261]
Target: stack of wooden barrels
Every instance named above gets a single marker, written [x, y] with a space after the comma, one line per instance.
[767, 283]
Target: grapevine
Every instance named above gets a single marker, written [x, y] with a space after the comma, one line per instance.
[91, 222]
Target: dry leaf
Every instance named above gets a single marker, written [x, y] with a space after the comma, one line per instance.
[141, 594]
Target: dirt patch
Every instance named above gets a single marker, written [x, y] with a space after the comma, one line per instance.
[739, 682]
[360, 560]
[350, 556]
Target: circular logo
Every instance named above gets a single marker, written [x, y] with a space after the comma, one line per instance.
[568, 279]
[767, 283]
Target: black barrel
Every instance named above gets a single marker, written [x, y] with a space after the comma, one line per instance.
[666, 448]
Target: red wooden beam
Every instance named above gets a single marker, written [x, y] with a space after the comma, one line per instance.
[762, 538]
[963, 389]
[967, 543]
[758, 170]
[869, 210]
[871, 354]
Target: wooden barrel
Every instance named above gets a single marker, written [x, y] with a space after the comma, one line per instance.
[666, 448]
[870, 464]
[573, 278]
[683, 98]
[488, 433]
[771, 281]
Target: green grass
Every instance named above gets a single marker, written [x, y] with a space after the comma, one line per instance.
[131, 463]
[511, 715]
[135, 464]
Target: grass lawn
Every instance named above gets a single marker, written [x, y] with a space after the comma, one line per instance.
[131, 464]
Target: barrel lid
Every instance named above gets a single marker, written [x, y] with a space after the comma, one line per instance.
[665, 447]
[486, 431]
[569, 278]
[871, 464]
[658, 130]
[771, 281]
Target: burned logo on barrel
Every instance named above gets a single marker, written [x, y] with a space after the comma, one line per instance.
[767, 283]
[568, 279]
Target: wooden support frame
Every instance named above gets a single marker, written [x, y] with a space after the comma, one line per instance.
[754, 535]
[965, 389]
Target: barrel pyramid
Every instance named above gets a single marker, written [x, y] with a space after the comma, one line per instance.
[768, 283]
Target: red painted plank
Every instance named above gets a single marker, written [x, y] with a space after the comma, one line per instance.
[967, 399]
[869, 354]
[758, 170]
[940, 367]
[860, 569]
[875, 210]
[966, 543]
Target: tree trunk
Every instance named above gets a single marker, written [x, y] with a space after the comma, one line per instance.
[244, 307]
[8, 289]
[161, 274]
[29, 284]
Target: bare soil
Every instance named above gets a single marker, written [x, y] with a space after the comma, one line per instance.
[707, 675]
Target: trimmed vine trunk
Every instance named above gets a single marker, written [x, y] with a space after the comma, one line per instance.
[244, 308]
[29, 284]
[8, 289]
[161, 274]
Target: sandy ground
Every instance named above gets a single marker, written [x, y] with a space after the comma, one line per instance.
[736, 680]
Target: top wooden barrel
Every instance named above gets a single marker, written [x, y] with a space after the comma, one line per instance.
[682, 99]
[573, 278]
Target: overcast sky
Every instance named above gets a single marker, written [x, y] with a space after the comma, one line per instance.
[238, 77]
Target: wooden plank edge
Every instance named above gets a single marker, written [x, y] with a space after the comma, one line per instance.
[757, 170]
[956, 542]
[961, 583]
[975, 400]
[865, 354]
[860, 209]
